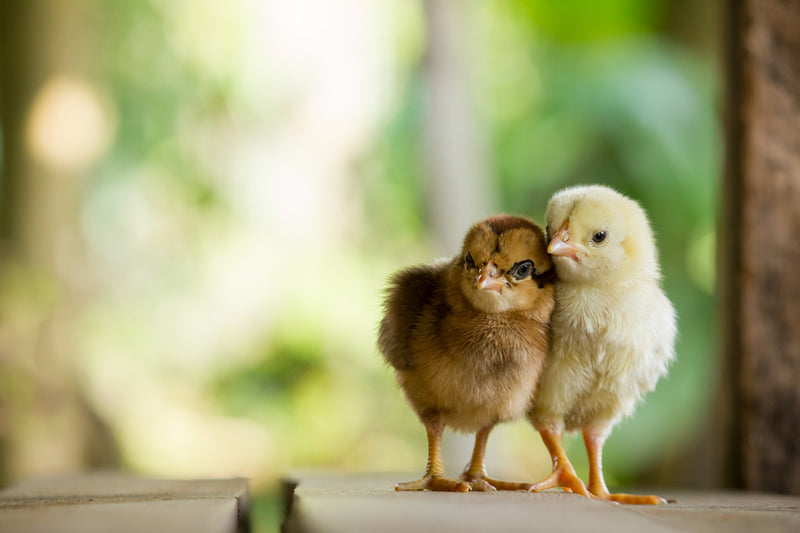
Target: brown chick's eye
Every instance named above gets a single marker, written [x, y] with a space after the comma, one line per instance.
[469, 261]
[522, 270]
[599, 237]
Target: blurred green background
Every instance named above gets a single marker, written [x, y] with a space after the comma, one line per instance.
[202, 201]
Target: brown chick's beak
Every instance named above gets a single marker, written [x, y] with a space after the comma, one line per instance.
[489, 278]
[488, 283]
[560, 248]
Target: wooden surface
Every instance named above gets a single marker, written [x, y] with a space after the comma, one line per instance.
[347, 503]
[763, 240]
[120, 503]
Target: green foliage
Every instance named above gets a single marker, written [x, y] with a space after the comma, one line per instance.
[394, 191]
[585, 21]
[266, 511]
[287, 359]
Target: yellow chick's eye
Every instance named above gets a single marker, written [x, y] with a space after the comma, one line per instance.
[599, 237]
[522, 270]
[469, 262]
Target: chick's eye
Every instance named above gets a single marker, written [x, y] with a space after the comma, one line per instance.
[599, 237]
[469, 261]
[522, 270]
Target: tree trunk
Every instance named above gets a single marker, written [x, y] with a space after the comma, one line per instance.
[763, 244]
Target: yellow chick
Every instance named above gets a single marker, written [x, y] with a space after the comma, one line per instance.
[613, 329]
[468, 339]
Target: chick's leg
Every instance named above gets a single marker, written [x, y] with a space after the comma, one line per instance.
[434, 478]
[594, 438]
[563, 474]
[475, 474]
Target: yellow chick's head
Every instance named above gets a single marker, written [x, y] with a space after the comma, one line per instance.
[598, 235]
[503, 264]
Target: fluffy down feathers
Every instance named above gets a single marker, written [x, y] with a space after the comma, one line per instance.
[470, 354]
[613, 328]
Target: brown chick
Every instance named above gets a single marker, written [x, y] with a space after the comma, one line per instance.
[468, 339]
[613, 329]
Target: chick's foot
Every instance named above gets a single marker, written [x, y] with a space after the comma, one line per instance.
[475, 473]
[563, 476]
[436, 483]
[594, 437]
[483, 483]
[631, 499]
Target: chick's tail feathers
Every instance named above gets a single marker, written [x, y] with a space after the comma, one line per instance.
[410, 292]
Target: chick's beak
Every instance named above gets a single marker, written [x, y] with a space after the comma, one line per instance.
[489, 280]
[560, 246]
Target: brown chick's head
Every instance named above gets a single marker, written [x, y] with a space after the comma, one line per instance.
[598, 235]
[502, 264]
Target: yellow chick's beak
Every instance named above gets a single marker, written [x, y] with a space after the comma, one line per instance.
[560, 247]
[489, 280]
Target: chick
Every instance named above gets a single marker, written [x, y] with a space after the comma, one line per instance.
[613, 329]
[468, 338]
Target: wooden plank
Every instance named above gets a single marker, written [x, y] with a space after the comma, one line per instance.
[763, 288]
[344, 503]
[116, 502]
[174, 516]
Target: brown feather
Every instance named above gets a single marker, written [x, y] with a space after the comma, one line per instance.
[465, 353]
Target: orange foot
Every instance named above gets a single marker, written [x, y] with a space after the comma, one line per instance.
[483, 483]
[563, 476]
[631, 499]
[434, 482]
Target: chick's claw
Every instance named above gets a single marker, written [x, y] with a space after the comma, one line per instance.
[435, 483]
